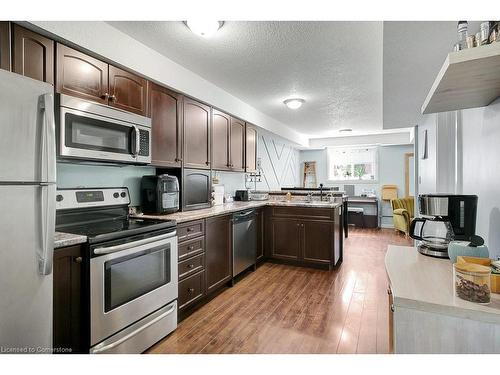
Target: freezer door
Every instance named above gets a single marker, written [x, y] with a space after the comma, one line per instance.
[27, 130]
[27, 241]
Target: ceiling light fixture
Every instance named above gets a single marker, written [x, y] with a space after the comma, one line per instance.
[345, 130]
[294, 103]
[204, 28]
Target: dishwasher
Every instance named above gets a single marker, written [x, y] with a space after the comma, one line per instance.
[244, 241]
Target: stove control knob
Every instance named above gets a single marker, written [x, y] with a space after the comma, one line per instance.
[123, 194]
[59, 197]
[116, 195]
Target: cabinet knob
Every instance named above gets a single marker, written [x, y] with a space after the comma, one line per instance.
[190, 247]
[178, 159]
[105, 96]
[392, 307]
[191, 290]
[207, 163]
[190, 229]
[78, 260]
[191, 266]
[389, 291]
[112, 98]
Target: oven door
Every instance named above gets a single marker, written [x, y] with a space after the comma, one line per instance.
[129, 281]
[91, 136]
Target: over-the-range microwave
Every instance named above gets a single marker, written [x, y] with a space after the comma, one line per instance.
[98, 132]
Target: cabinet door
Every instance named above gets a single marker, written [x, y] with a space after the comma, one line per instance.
[68, 299]
[127, 91]
[285, 238]
[80, 75]
[317, 241]
[196, 134]
[32, 55]
[251, 149]
[260, 235]
[218, 252]
[165, 109]
[221, 125]
[5, 45]
[237, 145]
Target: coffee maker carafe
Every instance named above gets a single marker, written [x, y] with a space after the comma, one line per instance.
[444, 218]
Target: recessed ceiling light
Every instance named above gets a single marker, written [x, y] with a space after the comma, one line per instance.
[345, 130]
[294, 103]
[204, 28]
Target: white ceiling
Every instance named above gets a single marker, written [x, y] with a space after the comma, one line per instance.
[335, 66]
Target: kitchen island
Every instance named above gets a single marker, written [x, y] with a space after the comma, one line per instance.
[427, 317]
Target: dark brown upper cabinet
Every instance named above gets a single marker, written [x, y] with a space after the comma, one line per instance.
[221, 128]
[5, 45]
[127, 91]
[237, 145]
[32, 55]
[196, 134]
[251, 148]
[86, 77]
[165, 109]
[80, 75]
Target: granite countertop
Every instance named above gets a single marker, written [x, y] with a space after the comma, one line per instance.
[227, 208]
[425, 283]
[68, 239]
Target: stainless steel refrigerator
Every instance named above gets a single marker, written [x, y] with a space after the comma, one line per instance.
[27, 213]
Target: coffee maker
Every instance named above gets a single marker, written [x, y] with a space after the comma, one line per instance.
[444, 218]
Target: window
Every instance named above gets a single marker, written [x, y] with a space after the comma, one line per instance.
[352, 164]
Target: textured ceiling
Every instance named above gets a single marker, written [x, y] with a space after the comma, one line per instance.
[335, 66]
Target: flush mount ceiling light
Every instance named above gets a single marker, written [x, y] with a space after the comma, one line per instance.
[345, 130]
[204, 28]
[294, 103]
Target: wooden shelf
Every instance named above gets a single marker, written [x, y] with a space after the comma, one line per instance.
[468, 79]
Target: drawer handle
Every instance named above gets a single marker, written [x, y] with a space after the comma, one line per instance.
[190, 247]
[190, 229]
[392, 308]
[191, 290]
[191, 266]
[389, 291]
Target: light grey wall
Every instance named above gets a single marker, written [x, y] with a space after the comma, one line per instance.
[391, 171]
[72, 175]
[481, 169]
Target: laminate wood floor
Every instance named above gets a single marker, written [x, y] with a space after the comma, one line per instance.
[286, 309]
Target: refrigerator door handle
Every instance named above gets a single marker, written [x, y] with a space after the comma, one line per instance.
[48, 145]
[48, 224]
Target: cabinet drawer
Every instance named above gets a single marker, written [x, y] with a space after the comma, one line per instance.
[304, 212]
[191, 289]
[192, 265]
[192, 229]
[190, 248]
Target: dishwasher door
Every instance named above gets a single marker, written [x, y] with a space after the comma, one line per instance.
[244, 241]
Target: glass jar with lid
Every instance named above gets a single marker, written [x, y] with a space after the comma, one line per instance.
[472, 282]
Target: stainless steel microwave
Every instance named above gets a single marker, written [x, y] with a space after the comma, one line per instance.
[98, 132]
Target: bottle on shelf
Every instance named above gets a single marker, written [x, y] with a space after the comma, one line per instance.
[462, 35]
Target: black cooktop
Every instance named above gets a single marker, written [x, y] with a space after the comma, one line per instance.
[116, 228]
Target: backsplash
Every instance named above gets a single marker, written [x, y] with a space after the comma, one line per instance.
[71, 175]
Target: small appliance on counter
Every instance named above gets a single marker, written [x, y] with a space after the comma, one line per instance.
[218, 195]
[241, 195]
[258, 196]
[159, 194]
[444, 218]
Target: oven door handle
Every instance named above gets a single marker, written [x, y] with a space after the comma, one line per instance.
[130, 245]
[133, 333]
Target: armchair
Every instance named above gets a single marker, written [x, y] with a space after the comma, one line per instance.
[403, 212]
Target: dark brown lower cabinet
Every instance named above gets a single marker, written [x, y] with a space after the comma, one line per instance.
[260, 236]
[68, 326]
[191, 289]
[218, 252]
[304, 236]
[5, 45]
[317, 241]
[285, 238]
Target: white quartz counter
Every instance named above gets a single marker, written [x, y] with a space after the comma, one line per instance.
[425, 283]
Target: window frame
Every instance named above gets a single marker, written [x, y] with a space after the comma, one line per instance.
[352, 180]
